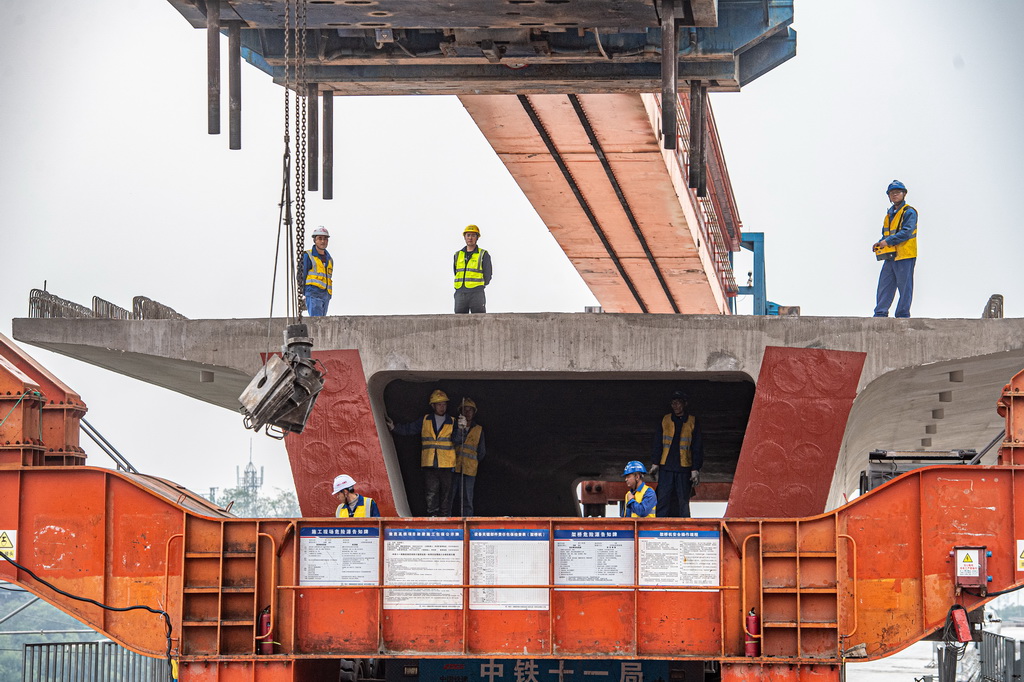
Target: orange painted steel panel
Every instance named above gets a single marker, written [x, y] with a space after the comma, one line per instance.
[795, 430]
[340, 437]
[62, 407]
[876, 572]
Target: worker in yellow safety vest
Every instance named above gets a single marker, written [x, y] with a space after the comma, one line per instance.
[472, 267]
[437, 452]
[352, 504]
[897, 249]
[470, 449]
[315, 275]
[641, 500]
[678, 455]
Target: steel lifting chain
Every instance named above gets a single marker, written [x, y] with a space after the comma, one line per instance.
[300, 132]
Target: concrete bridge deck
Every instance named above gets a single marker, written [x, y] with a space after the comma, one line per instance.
[926, 383]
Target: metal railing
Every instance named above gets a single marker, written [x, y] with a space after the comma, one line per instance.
[108, 310]
[717, 215]
[999, 659]
[148, 309]
[89, 662]
[994, 307]
[43, 304]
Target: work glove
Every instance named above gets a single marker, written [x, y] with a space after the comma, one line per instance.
[463, 424]
[390, 424]
[694, 478]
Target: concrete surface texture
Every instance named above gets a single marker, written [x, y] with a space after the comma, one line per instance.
[926, 384]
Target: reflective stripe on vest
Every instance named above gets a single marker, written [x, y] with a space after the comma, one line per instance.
[907, 249]
[668, 430]
[362, 510]
[319, 275]
[471, 274]
[639, 495]
[467, 463]
[436, 446]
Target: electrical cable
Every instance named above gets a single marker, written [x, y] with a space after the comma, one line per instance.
[168, 628]
[949, 636]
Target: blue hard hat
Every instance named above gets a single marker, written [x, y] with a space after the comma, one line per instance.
[634, 467]
[895, 184]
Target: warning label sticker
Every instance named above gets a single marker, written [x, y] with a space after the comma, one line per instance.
[9, 544]
[1020, 555]
[967, 563]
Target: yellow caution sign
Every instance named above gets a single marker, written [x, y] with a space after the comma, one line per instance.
[9, 543]
[967, 563]
[1020, 555]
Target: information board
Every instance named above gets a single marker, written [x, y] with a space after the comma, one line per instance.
[339, 555]
[508, 556]
[414, 556]
[679, 558]
[594, 557]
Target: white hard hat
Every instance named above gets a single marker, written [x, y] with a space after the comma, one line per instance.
[321, 231]
[343, 482]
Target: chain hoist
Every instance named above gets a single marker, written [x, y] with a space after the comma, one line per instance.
[281, 396]
[300, 88]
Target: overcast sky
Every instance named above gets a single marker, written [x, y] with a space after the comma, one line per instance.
[110, 187]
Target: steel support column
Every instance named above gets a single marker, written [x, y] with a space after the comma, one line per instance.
[312, 139]
[235, 85]
[328, 142]
[669, 73]
[213, 66]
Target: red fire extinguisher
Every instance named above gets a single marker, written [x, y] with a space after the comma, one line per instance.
[263, 632]
[753, 643]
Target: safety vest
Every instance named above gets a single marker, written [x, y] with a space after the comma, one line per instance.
[467, 461]
[469, 274]
[363, 506]
[668, 430]
[319, 275]
[639, 495]
[907, 249]
[437, 446]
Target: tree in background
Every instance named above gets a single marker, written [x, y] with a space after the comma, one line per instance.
[249, 503]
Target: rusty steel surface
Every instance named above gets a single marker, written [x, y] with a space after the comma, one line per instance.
[61, 408]
[877, 572]
[820, 584]
[340, 437]
[795, 431]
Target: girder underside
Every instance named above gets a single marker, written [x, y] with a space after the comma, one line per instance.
[515, 46]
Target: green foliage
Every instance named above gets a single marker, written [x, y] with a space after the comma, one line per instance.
[250, 504]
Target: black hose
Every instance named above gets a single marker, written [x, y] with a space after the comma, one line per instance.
[167, 617]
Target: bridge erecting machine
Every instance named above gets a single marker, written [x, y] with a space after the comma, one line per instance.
[288, 599]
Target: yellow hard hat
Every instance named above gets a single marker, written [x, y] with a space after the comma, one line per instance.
[438, 396]
[471, 228]
[467, 402]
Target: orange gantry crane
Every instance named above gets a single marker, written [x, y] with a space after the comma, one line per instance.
[493, 598]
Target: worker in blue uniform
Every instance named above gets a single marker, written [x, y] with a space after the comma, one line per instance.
[677, 455]
[353, 505]
[316, 273]
[897, 249]
[472, 267]
[641, 500]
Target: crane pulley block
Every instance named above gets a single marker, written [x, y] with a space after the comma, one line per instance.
[282, 394]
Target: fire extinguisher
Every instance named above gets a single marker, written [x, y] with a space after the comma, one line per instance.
[263, 632]
[753, 644]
